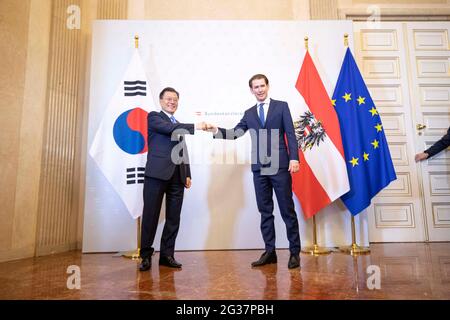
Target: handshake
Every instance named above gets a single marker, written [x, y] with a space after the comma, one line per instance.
[206, 127]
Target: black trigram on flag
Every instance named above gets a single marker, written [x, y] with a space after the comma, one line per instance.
[135, 175]
[135, 88]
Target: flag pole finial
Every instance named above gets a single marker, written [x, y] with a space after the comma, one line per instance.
[306, 43]
[136, 41]
[346, 40]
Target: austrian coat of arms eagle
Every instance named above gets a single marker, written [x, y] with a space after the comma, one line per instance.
[308, 131]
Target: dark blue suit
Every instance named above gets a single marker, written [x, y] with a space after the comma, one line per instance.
[439, 145]
[163, 176]
[268, 174]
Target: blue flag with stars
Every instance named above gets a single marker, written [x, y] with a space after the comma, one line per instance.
[369, 163]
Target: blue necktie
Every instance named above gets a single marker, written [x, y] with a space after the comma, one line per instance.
[261, 114]
[172, 118]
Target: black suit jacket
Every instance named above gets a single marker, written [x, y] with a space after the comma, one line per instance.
[278, 117]
[440, 145]
[163, 137]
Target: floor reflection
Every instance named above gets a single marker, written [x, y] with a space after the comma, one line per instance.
[407, 271]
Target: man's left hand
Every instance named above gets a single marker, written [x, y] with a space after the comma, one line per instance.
[188, 183]
[293, 166]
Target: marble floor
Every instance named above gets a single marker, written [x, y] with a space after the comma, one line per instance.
[406, 271]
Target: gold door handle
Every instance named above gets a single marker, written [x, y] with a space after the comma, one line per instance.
[420, 126]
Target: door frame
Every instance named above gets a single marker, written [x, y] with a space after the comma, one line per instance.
[402, 15]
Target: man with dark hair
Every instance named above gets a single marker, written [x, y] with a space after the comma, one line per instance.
[167, 172]
[256, 77]
[268, 122]
[168, 89]
[437, 147]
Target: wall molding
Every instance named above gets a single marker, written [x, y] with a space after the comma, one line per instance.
[396, 14]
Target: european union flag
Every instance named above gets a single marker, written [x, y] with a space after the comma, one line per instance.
[369, 163]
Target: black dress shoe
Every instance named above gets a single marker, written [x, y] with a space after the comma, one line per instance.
[169, 261]
[266, 258]
[294, 261]
[146, 264]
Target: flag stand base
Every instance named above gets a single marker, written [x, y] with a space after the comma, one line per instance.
[315, 250]
[355, 250]
[133, 255]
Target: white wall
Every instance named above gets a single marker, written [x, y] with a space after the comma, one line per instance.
[209, 63]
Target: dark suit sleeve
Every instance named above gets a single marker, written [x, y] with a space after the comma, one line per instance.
[232, 134]
[290, 133]
[161, 126]
[187, 164]
[188, 171]
[440, 145]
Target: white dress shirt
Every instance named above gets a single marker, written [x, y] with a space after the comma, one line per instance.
[266, 107]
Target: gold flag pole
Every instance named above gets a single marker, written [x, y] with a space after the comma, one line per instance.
[314, 249]
[353, 249]
[134, 255]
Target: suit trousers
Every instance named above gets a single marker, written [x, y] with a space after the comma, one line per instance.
[154, 191]
[264, 187]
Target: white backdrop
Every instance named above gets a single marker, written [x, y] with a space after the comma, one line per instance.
[209, 63]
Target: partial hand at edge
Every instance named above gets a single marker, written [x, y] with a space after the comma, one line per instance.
[421, 156]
